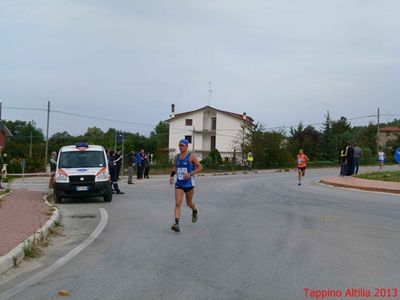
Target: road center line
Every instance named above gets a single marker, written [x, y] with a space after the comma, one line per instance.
[62, 261]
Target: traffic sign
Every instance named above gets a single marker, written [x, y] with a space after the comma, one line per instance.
[397, 155]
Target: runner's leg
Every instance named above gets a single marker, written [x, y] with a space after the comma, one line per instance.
[299, 175]
[190, 203]
[178, 202]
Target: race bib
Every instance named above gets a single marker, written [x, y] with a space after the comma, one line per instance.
[181, 172]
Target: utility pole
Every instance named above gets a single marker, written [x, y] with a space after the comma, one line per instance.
[123, 153]
[47, 134]
[194, 133]
[115, 140]
[1, 106]
[209, 93]
[30, 146]
[377, 139]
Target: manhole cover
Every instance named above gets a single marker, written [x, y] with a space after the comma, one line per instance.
[83, 216]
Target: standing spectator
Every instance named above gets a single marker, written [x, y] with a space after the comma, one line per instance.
[350, 159]
[118, 161]
[146, 165]
[249, 161]
[1, 165]
[356, 158]
[381, 158]
[131, 164]
[139, 164]
[53, 167]
[343, 162]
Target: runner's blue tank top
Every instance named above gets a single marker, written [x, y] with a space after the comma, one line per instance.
[183, 166]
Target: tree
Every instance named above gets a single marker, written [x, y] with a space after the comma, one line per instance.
[307, 139]
[60, 139]
[269, 148]
[26, 139]
[327, 147]
[159, 139]
[26, 143]
[342, 133]
[242, 142]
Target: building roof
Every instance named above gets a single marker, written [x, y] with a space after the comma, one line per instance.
[4, 128]
[234, 115]
[390, 129]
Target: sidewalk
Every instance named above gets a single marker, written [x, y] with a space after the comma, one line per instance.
[363, 184]
[22, 213]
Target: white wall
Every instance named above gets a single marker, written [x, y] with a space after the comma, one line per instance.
[227, 129]
[178, 130]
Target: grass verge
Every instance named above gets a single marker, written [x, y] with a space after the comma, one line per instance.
[383, 175]
[35, 249]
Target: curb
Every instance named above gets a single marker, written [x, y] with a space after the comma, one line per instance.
[14, 257]
[364, 188]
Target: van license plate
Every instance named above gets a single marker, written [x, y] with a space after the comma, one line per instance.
[82, 188]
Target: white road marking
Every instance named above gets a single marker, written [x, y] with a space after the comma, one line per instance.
[59, 263]
[355, 189]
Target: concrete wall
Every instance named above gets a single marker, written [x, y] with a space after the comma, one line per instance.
[226, 131]
[178, 130]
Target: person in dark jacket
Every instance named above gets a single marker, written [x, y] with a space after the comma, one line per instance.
[343, 162]
[146, 165]
[350, 159]
[112, 165]
[118, 161]
[139, 163]
[131, 164]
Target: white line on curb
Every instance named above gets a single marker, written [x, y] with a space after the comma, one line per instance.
[59, 263]
[355, 189]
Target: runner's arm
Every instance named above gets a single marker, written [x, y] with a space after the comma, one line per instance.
[195, 161]
[172, 175]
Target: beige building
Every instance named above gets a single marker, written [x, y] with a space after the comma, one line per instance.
[386, 134]
[207, 128]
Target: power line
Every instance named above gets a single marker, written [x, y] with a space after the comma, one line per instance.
[101, 118]
[176, 128]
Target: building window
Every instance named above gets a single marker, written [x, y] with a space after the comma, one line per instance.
[189, 138]
[213, 142]
[226, 159]
[213, 123]
[188, 122]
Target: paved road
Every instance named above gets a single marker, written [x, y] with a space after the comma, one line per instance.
[258, 237]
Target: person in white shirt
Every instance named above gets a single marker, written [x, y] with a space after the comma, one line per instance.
[381, 158]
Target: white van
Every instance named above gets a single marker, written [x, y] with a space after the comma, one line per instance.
[82, 171]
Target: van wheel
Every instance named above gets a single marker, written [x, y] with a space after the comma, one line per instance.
[108, 194]
[57, 198]
[107, 197]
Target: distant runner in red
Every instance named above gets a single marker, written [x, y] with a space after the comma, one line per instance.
[302, 160]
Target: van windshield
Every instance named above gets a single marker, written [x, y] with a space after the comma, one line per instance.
[82, 159]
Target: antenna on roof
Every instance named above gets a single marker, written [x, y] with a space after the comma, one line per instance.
[209, 93]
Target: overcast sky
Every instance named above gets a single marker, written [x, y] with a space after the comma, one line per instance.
[280, 61]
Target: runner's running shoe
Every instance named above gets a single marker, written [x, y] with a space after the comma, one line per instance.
[194, 216]
[175, 227]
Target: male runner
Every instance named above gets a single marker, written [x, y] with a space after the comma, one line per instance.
[185, 167]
